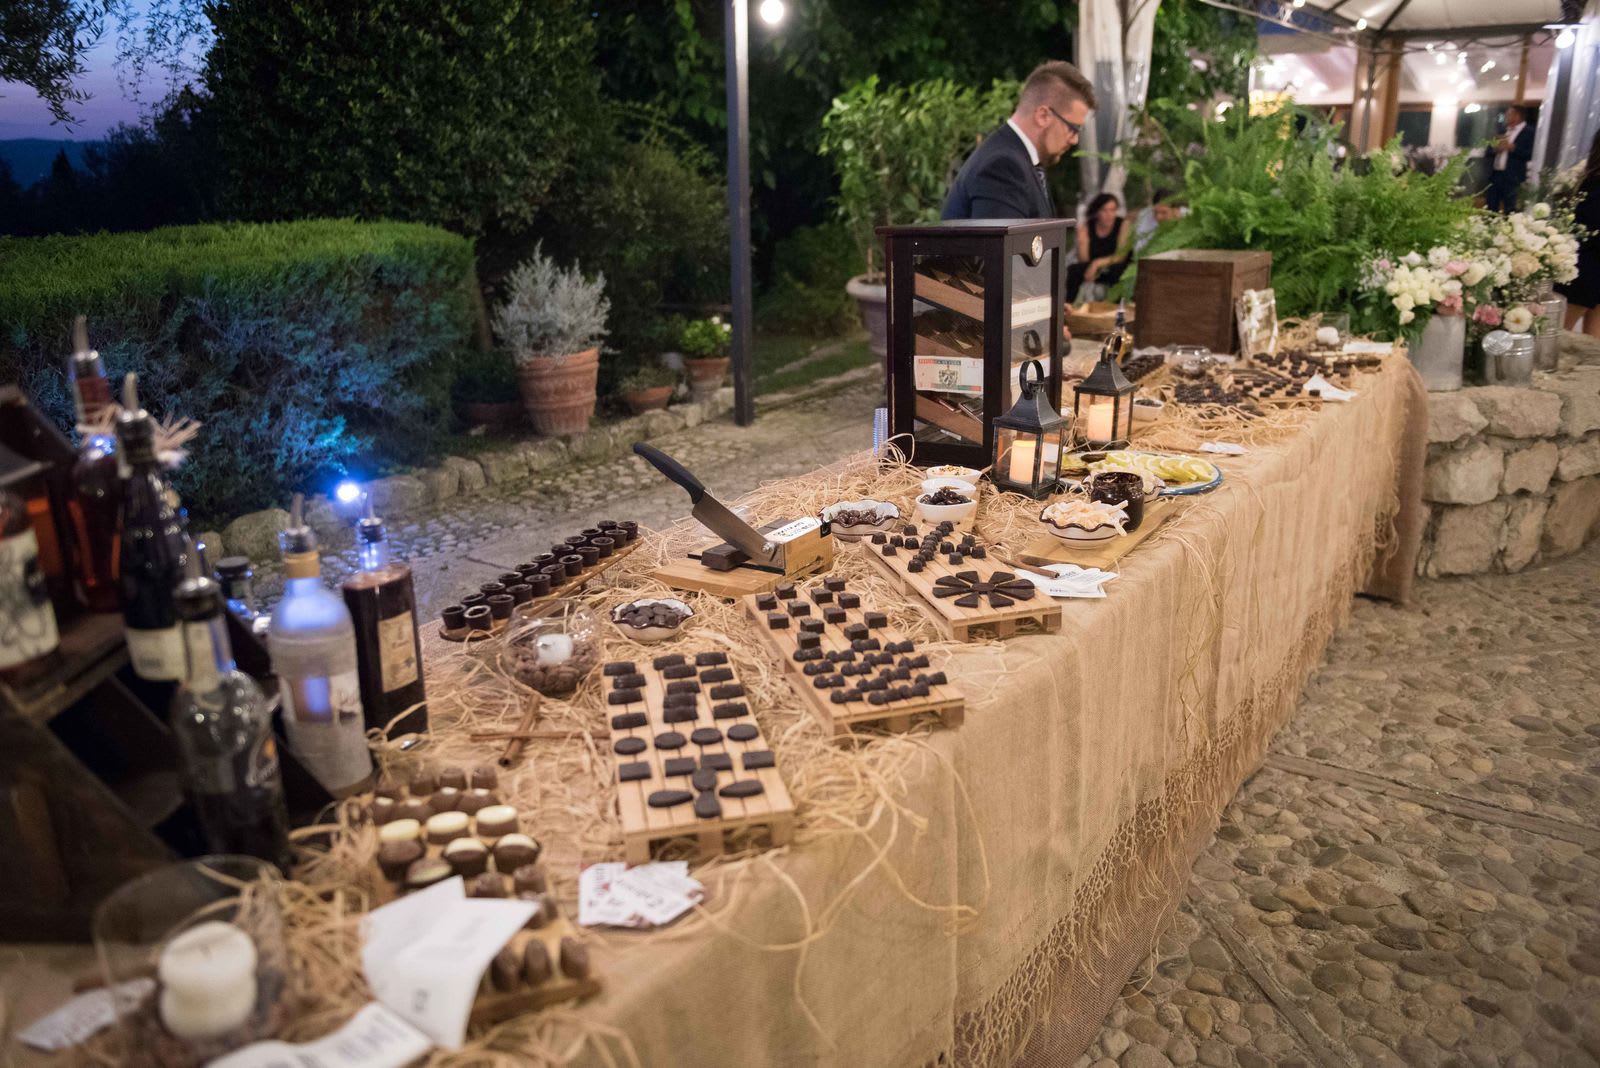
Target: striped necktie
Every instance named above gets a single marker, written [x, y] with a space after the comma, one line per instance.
[1044, 187]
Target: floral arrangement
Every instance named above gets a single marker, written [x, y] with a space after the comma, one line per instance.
[1492, 270]
[705, 339]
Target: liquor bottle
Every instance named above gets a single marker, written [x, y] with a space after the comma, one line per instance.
[48, 497]
[224, 730]
[154, 551]
[29, 644]
[313, 648]
[238, 589]
[383, 605]
[1119, 344]
[95, 476]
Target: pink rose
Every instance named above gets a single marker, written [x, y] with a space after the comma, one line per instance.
[1450, 305]
[1454, 268]
[1487, 314]
[1385, 265]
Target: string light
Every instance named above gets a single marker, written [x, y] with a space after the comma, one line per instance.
[1565, 38]
[1488, 65]
[1361, 24]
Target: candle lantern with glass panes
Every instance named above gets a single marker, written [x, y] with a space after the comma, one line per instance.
[1102, 404]
[1029, 440]
[970, 302]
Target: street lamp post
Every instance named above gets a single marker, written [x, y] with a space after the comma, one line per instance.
[737, 14]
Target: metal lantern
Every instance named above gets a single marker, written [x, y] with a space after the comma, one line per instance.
[1029, 440]
[1102, 404]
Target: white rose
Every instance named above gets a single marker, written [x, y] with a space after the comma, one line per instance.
[1452, 288]
[1407, 316]
[1518, 320]
[1438, 256]
[1541, 210]
[1474, 273]
[1405, 302]
[1411, 259]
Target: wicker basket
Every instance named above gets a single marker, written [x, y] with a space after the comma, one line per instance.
[1095, 318]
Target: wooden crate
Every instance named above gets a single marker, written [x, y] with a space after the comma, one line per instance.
[958, 622]
[640, 715]
[833, 596]
[1186, 297]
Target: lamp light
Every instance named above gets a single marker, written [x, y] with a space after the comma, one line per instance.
[1029, 440]
[772, 11]
[1102, 404]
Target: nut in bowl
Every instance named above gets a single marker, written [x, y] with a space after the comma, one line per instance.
[1077, 520]
[857, 519]
[651, 619]
[967, 475]
[947, 504]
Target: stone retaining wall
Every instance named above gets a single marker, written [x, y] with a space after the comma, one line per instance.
[1513, 472]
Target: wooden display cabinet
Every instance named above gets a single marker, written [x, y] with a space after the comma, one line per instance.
[970, 302]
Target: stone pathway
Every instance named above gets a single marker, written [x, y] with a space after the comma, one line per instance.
[1413, 878]
[465, 541]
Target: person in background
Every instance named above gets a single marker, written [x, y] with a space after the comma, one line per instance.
[1149, 218]
[1103, 246]
[1583, 292]
[1510, 166]
[1004, 178]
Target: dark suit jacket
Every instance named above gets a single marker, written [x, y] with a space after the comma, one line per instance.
[998, 182]
[1517, 158]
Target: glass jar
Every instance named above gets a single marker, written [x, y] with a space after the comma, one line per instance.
[1438, 354]
[552, 650]
[195, 958]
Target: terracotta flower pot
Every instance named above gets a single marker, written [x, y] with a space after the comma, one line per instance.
[706, 375]
[559, 391]
[872, 297]
[652, 399]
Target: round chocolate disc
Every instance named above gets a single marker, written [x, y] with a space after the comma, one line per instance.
[743, 732]
[670, 740]
[629, 746]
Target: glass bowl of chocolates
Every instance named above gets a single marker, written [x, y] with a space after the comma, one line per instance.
[651, 619]
[858, 519]
[552, 652]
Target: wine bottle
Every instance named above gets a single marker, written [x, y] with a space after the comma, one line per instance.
[153, 550]
[383, 606]
[29, 643]
[224, 731]
[95, 476]
[313, 647]
[47, 497]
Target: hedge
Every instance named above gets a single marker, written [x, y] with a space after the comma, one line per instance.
[305, 349]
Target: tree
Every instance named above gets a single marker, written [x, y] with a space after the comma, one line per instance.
[452, 112]
[42, 44]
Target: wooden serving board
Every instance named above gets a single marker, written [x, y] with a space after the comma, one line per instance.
[955, 621]
[640, 722]
[572, 584]
[835, 607]
[1049, 549]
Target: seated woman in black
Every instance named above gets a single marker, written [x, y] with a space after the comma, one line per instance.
[1102, 246]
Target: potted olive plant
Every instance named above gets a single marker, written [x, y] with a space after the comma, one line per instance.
[704, 344]
[553, 320]
[648, 388]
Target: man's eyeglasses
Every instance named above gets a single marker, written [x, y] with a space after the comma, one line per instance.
[1076, 128]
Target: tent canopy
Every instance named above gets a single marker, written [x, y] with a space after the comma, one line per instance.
[1428, 16]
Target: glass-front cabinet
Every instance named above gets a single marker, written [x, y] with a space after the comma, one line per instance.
[970, 303]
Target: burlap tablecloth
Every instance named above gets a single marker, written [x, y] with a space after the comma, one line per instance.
[1095, 763]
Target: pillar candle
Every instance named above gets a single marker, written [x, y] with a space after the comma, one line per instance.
[208, 980]
[1101, 419]
[1021, 468]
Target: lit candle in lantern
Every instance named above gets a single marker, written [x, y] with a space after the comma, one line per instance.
[1021, 466]
[208, 981]
[1100, 424]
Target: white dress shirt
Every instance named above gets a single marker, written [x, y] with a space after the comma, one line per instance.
[1511, 135]
[1033, 153]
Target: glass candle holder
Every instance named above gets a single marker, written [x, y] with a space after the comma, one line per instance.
[195, 957]
[554, 650]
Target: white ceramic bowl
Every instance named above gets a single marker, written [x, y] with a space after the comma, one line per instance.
[934, 485]
[887, 514]
[967, 475]
[947, 513]
[1077, 532]
[648, 635]
[1147, 409]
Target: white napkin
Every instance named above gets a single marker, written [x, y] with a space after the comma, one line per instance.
[1074, 581]
[1329, 390]
[1225, 448]
[646, 895]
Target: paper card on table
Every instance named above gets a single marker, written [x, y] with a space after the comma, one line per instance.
[1369, 347]
[1072, 581]
[80, 1017]
[375, 1037]
[1328, 390]
[428, 959]
[1224, 448]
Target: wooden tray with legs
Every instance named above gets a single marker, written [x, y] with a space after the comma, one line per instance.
[570, 584]
[963, 591]
[691, 760]
[849, 665]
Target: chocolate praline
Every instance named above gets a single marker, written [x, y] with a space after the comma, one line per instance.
[395, 857]
[497, 820]
[453, 776]
[444, 799]
[515, 850]
[426, 872]
[530, 878]
[489, 884]
[446, 827]
[467, 857]
[474, 801]
[485, 777]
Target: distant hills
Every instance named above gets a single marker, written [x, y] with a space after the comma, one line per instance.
[30, 157]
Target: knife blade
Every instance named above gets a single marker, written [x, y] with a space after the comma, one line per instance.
[710, 512]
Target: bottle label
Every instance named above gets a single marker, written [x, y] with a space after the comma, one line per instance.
[322, 717]
[27, 622]
[157, 655]
[201, 668]
[322, 698]
[397, 651]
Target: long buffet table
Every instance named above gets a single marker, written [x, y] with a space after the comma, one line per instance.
[975, 895]
[992, 908]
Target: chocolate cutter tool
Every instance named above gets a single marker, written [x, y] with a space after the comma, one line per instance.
[792, 548]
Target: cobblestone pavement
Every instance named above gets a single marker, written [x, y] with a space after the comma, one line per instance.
[1413, 878]
[470, 540]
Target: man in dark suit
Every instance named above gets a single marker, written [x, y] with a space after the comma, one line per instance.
[1511, 155]
[1004, 178]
